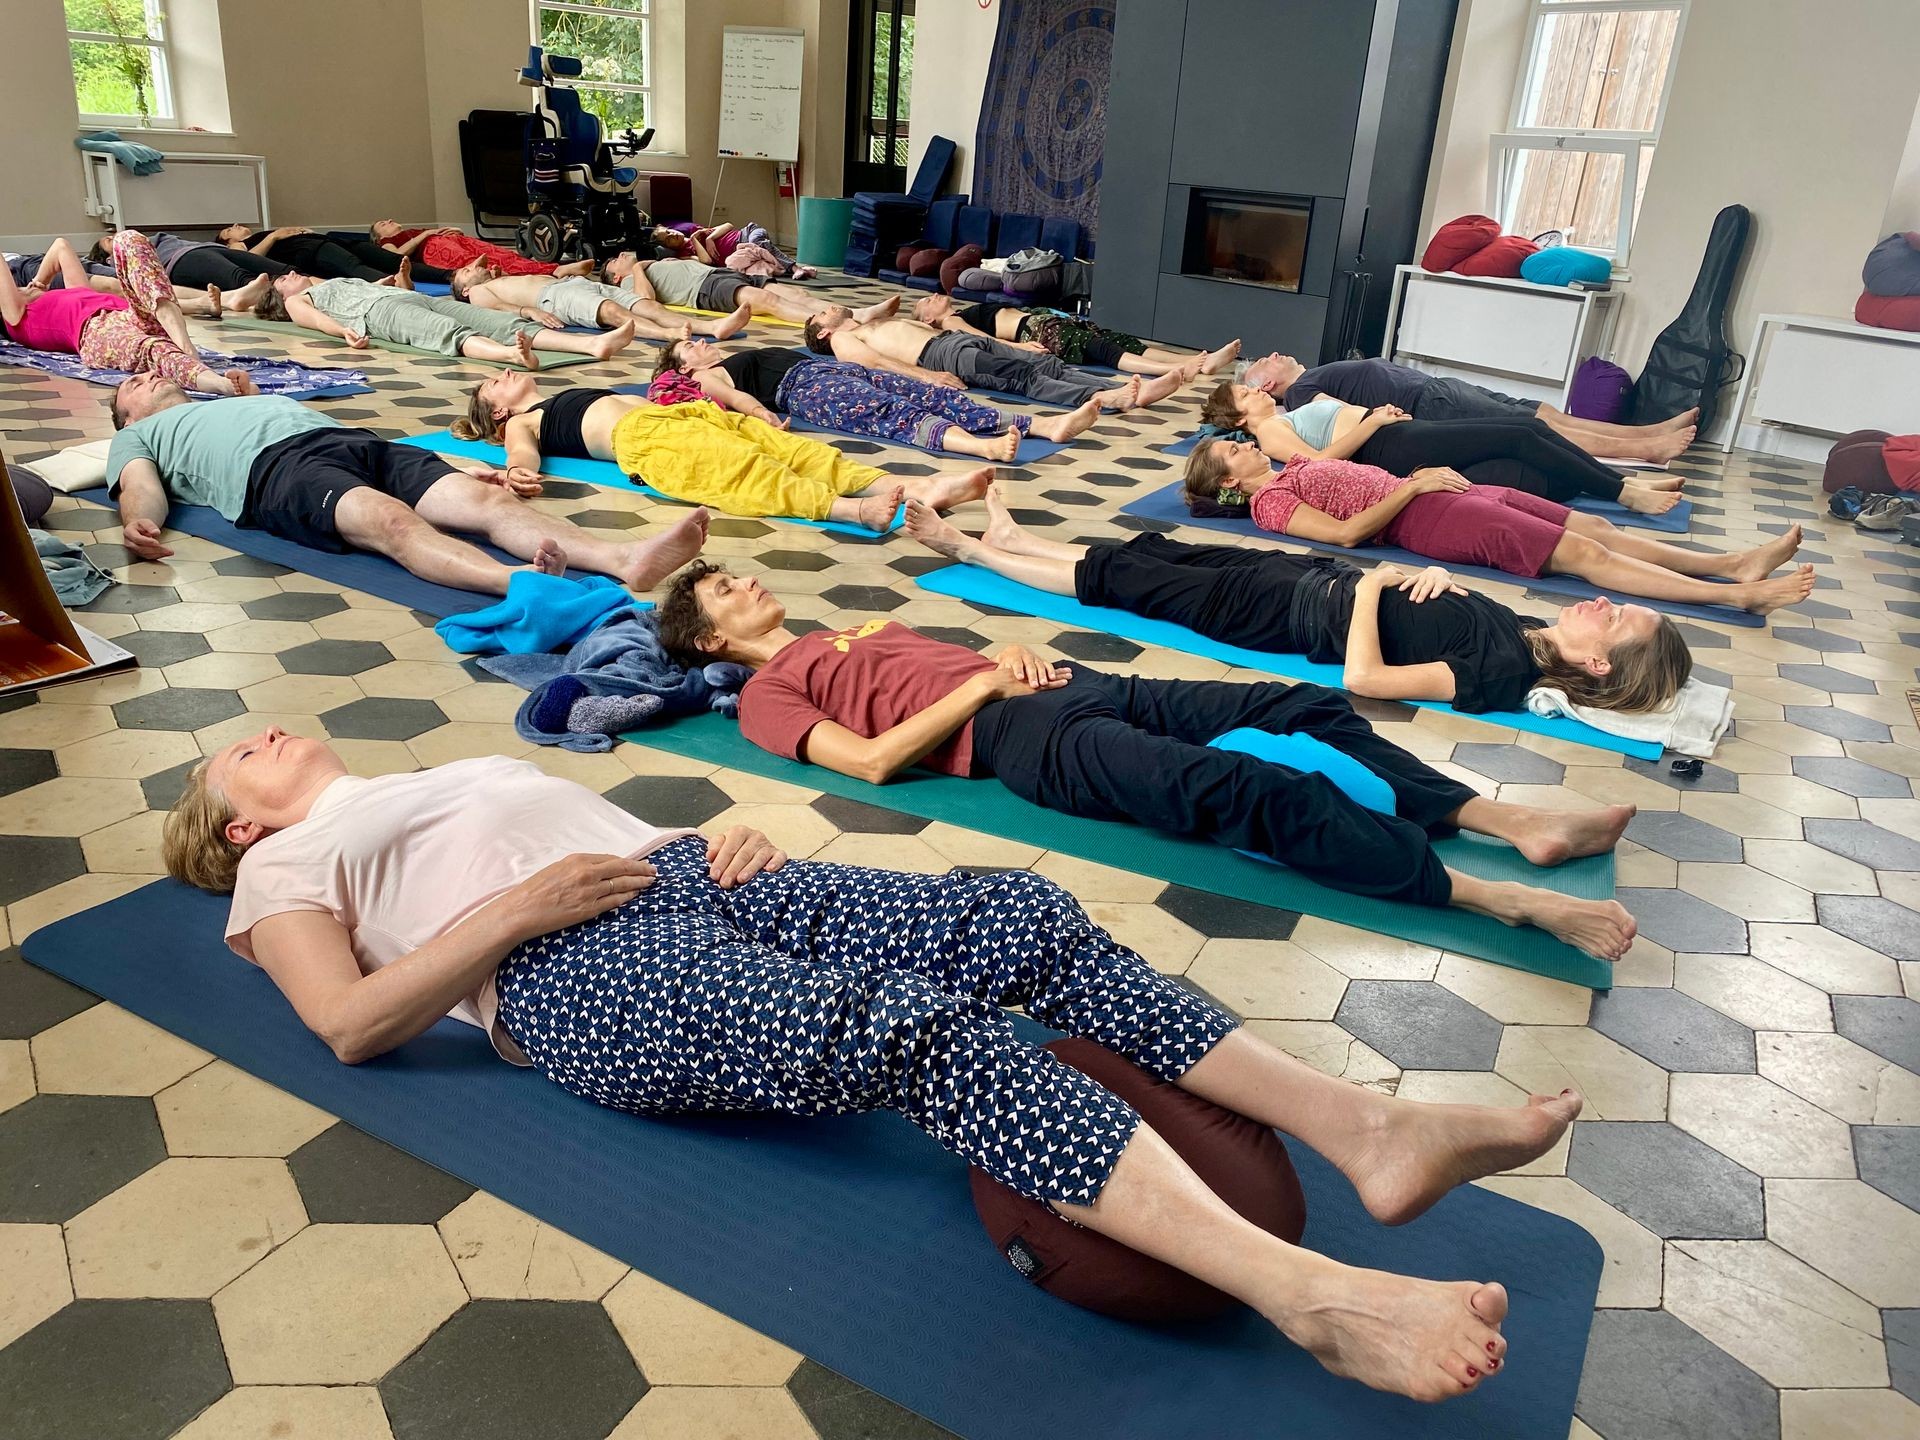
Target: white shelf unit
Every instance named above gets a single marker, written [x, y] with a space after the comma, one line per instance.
[1823, 374]
[190, 192]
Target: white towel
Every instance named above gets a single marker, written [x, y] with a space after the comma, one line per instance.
[78, 467]
[1691, 723]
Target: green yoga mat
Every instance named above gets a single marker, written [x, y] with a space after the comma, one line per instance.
[549, 359]
[989, 807]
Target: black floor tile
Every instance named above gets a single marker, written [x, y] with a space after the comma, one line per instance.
[670, 800]
[32, 863]
[841, 1410]
[1676, 1186]
[21, 768]
[113, 1370]
[859, 818]
[348, 1177]
[383, 719]
[178, 709]
[1888, 1025]
[294, 605]
[1875, 922]
[334, 657]
[1888, 1157]
[1420, 1025]
[162, 791]
[1223, 917]
[1674, 1030]
[31, 1000]
[155, 648]
[1650, 1377]
[60, 1153]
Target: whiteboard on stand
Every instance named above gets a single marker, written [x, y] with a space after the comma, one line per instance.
[760, 93]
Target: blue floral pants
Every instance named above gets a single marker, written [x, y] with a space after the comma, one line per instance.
[829, 989]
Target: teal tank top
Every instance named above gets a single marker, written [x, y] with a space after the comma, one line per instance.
[1313, 421]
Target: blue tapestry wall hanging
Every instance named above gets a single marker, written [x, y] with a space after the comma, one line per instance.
[1043, 122]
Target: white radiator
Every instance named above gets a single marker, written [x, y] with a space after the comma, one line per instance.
[192, 192]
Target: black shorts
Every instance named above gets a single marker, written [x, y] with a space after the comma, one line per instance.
[721, 291]
[295, 486]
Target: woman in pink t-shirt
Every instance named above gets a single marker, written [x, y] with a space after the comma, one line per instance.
[1441, 514]
[671, 974]
[139, 330]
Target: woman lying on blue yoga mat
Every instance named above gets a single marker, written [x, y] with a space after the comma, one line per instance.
[657, 972]
[1519, 453]
[771, 385]
[1444, 516]
[1400, 636]
[874, 700]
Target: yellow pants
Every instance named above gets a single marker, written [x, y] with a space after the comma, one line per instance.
[708, 456]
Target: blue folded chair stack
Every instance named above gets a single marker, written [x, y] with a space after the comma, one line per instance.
[882, 223]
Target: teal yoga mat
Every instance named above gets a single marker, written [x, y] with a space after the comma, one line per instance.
[987, 806]
[970, 582]
[605, 474]
[853, 1238]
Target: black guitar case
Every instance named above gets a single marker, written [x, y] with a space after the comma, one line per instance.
[1691, 362]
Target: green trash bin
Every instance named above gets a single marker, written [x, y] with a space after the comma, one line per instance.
[824, 225]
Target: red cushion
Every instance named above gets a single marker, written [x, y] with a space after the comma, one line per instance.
[960, 261]
[1500, 257]
[1456, 240]
[1241, 1160]
[927, 262]
[903, 257]
[1860, 460]
[1889, 312]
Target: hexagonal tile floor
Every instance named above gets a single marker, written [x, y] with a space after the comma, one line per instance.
[188, 1251]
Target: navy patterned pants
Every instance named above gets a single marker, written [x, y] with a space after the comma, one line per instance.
[841, 396]
[829, 989]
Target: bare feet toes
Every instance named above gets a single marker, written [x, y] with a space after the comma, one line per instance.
[924, 524]
[614, 341]
[523, 342]
[650, 561]
[950, 490]
[1003, 531]
[242, 382]
[1409, 1154]
[1556, 836]
[1430, 1340]
[1214, 361]
[549, 558]
[1602, 928]
[1761, 561]
[215, 302]
[736, 322]
[1161, 386]
[1064, 427]
[1645, 500]
[1004, 447]
[1771, 595]
[1121, 397]
[877, 511]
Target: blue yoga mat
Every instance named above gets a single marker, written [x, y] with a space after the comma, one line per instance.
[356, 569]
[1676, 521]
[853, 1239]
[1168, 504]
[970, 582]
[1032, 448]
[433, 287]
[605, 474]
[1010, 396]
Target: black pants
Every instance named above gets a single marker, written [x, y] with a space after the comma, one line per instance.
[372, 255]
[1523, 454]
[217, 265]
[1258, 599]
[1116, 747]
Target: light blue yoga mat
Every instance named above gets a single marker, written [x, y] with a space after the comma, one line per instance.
[853, 1239]
[970, 582]
[1676, 521]
[605, 474]
[1032, 448]
[1169, 504]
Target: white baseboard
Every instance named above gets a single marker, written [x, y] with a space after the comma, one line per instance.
[1778, 440]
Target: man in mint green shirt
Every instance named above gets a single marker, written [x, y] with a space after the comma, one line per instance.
[269, 463]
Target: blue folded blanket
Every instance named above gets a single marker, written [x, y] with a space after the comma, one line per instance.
[129, 154]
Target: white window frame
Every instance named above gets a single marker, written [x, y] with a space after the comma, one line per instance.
[640, 12]
[156, 41]
[1630, 145]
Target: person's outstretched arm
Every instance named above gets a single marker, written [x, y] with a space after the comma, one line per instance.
[716, 387]
[304, 313]
[522, 442]
[878, 760]
[1367, 671]
[1311, 524]
[143, 509]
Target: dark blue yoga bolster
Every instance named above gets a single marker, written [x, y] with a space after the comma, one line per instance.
[1676, 521]
[854, 1239]
[1169, 505]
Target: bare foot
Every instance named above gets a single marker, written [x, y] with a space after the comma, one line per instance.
[1553, 837]
[1408, 1154]
[943, 492]
[1428, 1339]
[242, 382]
[880, 311]
[1214, 361]
[1003, 531]
[248, 295]
[1645, 500]
[924, 524]
[1651, 480]
[731, 326]
[651, 560]
[1761, 561]
[523, 342]
[1673, 443]
[999, 447]
[1766, 596]
[613, 342]
[403, 277]
[877, 511]
[549, 558]
[1065, 427]
[1602, 928]
[1121, 397]
[1682, 421]
[1160, 386]
[215, 302]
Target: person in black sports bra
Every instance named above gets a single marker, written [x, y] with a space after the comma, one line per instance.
[1077, 342]
[772, 385]
[1400, 636]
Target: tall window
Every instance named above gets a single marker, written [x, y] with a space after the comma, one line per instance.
[1586, 116]
[613, 40]
[120, 72]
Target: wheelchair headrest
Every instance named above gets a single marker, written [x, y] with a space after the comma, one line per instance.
[542, 67]
[563, 67]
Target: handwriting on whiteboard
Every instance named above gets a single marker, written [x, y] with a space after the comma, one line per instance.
[760, 76]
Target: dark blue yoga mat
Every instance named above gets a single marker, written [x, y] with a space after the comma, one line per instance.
[1676, 521]
[853, 1239]
[1032, 448]
[1011, 397]
[1169, 504]
[970, 582]
[356, 569]
[605, 474]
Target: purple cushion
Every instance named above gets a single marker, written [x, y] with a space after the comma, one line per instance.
[1601, 391]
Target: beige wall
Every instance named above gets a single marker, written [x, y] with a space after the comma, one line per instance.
[952, 49]
[1803, 113]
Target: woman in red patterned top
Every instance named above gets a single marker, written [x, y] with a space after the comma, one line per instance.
[1439, 513]
[446, 248]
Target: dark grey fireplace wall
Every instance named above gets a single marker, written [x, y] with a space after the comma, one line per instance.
[1329, 99]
